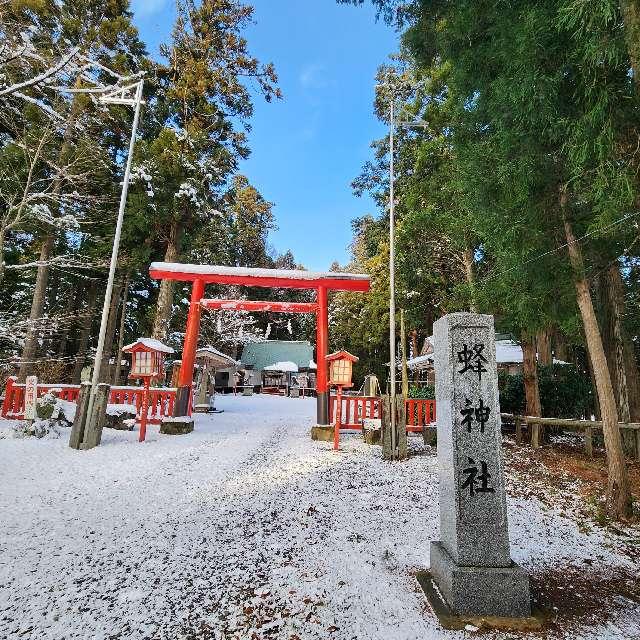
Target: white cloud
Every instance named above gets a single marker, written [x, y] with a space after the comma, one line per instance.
[313, 77]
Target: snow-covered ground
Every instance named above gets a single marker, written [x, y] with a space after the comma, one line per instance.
[243, 529]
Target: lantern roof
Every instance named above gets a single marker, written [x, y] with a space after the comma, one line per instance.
[147, 344]
[342, 355]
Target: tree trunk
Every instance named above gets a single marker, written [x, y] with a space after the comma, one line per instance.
[416, 353]
[618, 494]
[72, 295]
[631, 16]
[625, 357]
[618, 348]
[3, 235]
[543, 343]
[403, 350]
[30, 348]
[531, 388]
[560, 346]
[123, 318]
[85, 332]
[165, 295]
[470, 274]
[597, 414]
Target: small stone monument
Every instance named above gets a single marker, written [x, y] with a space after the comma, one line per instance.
[30, 398]
[471, 565]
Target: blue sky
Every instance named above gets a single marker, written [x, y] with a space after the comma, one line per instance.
[308, 147]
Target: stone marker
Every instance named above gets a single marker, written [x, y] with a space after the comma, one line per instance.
[471, 564]
[176, 426]
[30, 397]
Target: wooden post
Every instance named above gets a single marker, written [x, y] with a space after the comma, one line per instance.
[535, 435]
[338, 417]
[77, 430]
[95, 422]
[401, 427]
[8, 396]
[385, 411]
[145, 410]
[518, 430]
[588, 442]
[403, 346]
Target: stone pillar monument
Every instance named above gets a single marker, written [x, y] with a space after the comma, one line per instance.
[471, 564]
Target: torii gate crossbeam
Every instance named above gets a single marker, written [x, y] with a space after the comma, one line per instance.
[200, 275]
[250, 305]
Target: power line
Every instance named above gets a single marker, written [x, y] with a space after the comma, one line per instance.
[563, 246]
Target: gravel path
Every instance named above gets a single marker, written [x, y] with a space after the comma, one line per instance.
[243, 529]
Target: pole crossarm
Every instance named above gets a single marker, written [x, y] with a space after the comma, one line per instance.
[250, 305]
[269, 278]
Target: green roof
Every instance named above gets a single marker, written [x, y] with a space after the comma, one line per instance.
[264, 354]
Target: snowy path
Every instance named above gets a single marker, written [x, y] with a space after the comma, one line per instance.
[245, 525]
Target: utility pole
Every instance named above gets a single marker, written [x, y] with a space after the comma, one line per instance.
[392, 284]
[121, 95]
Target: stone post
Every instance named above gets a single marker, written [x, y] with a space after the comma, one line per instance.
[471, 564]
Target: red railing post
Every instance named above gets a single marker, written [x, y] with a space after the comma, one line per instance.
[8, 395]
[336, 429]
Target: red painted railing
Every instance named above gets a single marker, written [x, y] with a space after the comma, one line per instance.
[161, 400]
[355, 409]
[420, 413]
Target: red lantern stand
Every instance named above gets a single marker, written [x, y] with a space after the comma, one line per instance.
[340, 375]
[147, 363]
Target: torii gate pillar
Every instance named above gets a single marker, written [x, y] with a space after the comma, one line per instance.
[322, 343]
[182, 406]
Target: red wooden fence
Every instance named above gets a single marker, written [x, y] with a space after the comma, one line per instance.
[420, 413]
[356, 408]
[161, 400]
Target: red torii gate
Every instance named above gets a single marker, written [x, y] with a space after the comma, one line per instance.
[200, 275]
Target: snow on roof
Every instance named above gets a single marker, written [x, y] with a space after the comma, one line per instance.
[150, 343]
[507, 352]
[264, 354]
[213, 353]
[215, 270]
[312, 365]
[282, 366]
[414, 363]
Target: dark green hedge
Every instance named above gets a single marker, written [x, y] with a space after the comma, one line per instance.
[565, 392]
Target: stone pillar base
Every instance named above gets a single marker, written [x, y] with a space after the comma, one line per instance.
[321, 433]
[481, 591]
[176, 426]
